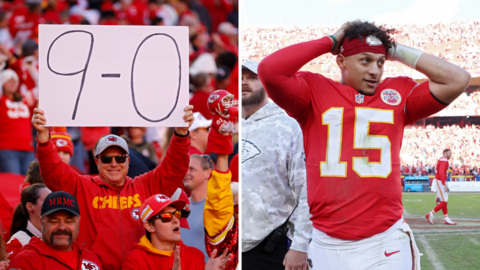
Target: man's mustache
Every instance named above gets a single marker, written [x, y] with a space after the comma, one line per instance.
[62, 232]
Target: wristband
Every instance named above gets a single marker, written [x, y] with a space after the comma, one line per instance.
[334, 42]
[403, 54]
[178, 135]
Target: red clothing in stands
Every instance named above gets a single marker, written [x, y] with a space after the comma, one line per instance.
[442, 170]
[199, 102]
[234, 168]
[194, 150]
[144, 258]
[38, 256]
[110, 221]
[15, 126]
[352, 142]
[90, 135]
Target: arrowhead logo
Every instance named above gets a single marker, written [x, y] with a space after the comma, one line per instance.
[390, 254]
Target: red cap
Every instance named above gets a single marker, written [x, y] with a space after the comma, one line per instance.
[181, 195]
[156, 203]
[62, 141]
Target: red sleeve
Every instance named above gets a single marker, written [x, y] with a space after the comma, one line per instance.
[169, 175]
[13, 247]
[25, 260]
[277, 73]
[421, 103]
[442, 167]
[56, 174]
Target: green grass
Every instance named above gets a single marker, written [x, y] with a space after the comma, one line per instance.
[463, 205]
[454, 247]
[454, 251]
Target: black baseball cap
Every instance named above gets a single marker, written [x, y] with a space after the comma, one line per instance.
[60, 200]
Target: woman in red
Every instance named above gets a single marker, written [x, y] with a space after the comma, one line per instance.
[26, 221]
[16, 143]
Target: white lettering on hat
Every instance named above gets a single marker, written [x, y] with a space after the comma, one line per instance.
[213, 97]
[61, 143]
[373, 41]
[111, 139]
[161, 198]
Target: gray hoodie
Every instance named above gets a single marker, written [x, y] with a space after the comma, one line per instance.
[273, 178]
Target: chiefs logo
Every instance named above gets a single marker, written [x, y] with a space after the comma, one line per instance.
[373, 41]
[213, 97]
[135, 214]
[88, 265]
[161, 198]
[187, 207]
[61, 143]
[111, 139]
[249, 150]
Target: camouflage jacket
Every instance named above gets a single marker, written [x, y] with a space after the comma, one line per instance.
[273, 178]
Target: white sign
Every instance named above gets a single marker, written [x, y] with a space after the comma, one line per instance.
[93, 75]
[464, 186]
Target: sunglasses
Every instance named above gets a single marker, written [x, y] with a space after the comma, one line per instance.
[185, 213]
[118, 159]
[235, 208]
[168, 216]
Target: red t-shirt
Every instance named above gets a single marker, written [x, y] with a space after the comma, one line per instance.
[352, 142]
[15, 126]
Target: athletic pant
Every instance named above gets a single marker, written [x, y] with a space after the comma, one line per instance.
[397, 251]
[257, 259]
[443, 196]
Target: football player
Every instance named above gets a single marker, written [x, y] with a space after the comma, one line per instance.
[352, 133]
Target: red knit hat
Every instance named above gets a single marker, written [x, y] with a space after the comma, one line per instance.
[62, 140]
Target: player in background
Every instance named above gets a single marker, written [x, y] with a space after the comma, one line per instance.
[353, 132]
[442, 189]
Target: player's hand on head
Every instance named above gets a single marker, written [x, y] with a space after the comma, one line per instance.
[295, 260]
[188, 118]
[176, 262]
[340, 35]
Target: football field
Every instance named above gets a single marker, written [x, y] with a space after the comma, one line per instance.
[445, 247]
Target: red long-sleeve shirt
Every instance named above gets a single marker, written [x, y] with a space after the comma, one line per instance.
[442, 169]
[110, 223]
[352, 142]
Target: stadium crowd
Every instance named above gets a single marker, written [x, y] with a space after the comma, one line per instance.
[457, 42]
[213, 54]
[422, 146]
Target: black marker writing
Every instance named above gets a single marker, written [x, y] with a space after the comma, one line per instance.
[179, 79]
[111, 75]
[73, 73]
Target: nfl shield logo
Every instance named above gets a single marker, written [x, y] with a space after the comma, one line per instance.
[359, 98]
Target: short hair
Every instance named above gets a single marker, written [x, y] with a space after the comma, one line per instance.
[33, 173]
[359, 29]
[446, 150]
[205, 161]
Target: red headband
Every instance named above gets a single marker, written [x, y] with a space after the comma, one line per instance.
[369, 44]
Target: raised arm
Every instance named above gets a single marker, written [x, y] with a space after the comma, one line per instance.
[447, 81]
[277, 73]
[56, 174]
[169, 174]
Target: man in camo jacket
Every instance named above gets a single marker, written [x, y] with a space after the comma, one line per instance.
[273, 181]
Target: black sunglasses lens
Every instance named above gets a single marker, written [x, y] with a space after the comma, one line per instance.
[185, 213]
[121, 159]
[106, 159]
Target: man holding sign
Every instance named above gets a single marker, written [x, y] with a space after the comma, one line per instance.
[111, 200]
